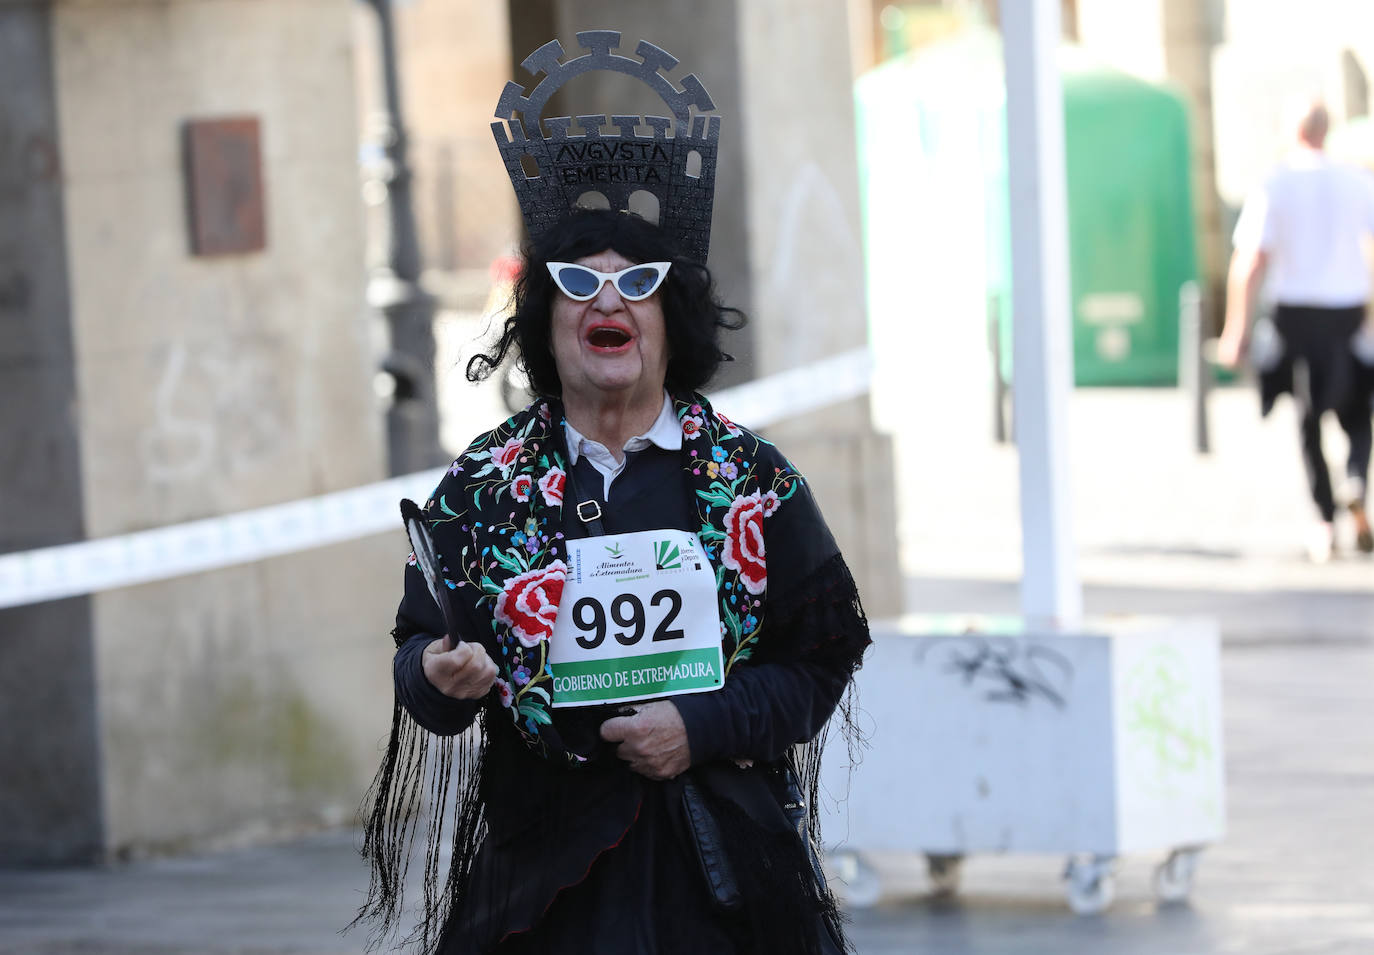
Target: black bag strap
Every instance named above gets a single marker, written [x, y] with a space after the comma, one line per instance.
[587, 509]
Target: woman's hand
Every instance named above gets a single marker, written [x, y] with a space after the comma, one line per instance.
[464, 672]
[653, 740]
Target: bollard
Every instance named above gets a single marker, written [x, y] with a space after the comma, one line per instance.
[999, 384]
[1194, 373]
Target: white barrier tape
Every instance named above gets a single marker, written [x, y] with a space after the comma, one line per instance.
[757, 404]
[51, 573]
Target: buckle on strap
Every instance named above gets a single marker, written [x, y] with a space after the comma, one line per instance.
[589, 511]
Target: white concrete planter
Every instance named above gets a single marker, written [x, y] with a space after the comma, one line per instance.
[990, 736]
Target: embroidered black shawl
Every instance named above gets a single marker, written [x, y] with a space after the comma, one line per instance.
[497, 520]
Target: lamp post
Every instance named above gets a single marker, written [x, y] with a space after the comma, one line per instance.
[1042, 352]
[394, 288]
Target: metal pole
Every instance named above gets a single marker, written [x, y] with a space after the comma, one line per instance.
[413, 418]
[1194, 374]
[999, 384]
[1043, 362]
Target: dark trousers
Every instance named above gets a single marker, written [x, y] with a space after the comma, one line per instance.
[1354, 421]
[1324, 378]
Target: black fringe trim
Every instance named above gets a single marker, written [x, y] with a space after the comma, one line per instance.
[783, 902]
[824, 622]
[421, 777]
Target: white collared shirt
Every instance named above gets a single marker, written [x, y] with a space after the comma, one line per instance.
[665, 432]
[1310, 217]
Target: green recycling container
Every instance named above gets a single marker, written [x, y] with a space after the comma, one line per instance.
[1132, 242]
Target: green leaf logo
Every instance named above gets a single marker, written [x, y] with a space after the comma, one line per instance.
[614, 550]
[667, 555]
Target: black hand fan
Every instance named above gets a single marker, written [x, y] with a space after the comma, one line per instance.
[428, 560]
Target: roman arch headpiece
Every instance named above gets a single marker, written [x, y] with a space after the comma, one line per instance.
[672, 159]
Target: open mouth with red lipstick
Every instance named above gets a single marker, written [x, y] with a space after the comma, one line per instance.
[608, 338]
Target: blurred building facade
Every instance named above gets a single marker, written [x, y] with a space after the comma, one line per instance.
[148, 381]
[450, 55]
[1239, 63]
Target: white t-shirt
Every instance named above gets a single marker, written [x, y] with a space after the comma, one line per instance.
[1310, 216]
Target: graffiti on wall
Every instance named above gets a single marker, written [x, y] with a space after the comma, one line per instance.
[215, 411]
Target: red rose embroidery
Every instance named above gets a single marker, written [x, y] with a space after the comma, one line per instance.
[529, 602]
[520, 488]
[551, 486]
[744, 550]
[504, 691]
[691, 427]
[506, 455]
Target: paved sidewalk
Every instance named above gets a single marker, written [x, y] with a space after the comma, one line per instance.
[1160, 531]
[1146, 509]
[1294, 874]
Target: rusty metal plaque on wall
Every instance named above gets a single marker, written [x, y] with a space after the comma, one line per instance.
[224, 197]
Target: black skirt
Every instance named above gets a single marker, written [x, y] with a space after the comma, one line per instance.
[643, 895]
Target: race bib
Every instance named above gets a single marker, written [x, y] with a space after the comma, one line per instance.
[638, 619]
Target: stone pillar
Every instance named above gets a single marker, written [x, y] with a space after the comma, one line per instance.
[785, 236]
[1192, 31]
[801, 218]
[50, 807]
[149, 386]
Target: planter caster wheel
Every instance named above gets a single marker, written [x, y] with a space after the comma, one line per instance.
[945, 872]
[1173, 879]
[1090, 883]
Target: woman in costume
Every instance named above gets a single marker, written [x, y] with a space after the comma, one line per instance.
[653, 627]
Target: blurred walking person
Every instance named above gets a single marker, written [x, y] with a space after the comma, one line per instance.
[1304, 231]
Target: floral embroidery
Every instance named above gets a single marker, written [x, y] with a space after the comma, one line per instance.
[506, 694]
[551, 487]
[505, 456]
[738, 496]
[529, 602]
[503, 545]
[744, 550]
